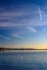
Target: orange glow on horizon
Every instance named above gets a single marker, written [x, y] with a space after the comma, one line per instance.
[38, 46]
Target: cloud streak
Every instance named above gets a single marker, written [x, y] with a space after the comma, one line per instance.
[17, 36]
[40, 13]
[4, 37]
[32, 29]
[23, 17]
[25, 22]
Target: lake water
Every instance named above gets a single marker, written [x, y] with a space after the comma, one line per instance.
[23, 60]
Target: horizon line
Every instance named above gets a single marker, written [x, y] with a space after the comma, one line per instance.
[3, 48]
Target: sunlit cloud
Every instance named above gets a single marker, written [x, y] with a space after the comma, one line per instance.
[32, 29]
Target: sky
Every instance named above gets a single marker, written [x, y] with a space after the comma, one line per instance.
[23, 23]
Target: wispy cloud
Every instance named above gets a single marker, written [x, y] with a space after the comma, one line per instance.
[17, 36]
[8, 24]
[4, 37]
[40, 13]
[32, 29]
[28, 16]
[13, 13]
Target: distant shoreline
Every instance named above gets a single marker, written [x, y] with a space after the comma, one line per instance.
[3, 49]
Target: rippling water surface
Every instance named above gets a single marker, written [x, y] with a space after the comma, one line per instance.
[35, 60]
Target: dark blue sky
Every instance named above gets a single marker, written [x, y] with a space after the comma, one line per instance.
[15, 3]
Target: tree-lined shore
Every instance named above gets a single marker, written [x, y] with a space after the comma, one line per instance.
[3, 49]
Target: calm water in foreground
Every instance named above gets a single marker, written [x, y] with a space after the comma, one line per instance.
[23, 60]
